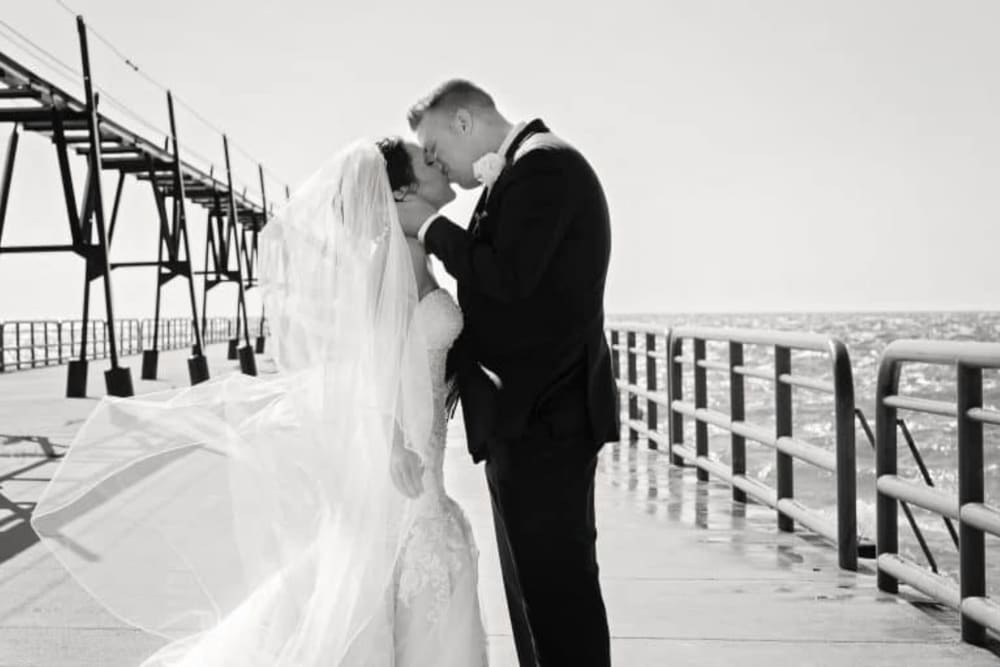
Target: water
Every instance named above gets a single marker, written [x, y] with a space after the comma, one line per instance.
[866, 335]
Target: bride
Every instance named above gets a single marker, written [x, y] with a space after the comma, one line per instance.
[300, 519]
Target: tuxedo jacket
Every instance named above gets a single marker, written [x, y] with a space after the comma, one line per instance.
[531, 271]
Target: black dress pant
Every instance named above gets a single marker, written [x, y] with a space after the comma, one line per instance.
[542, 489]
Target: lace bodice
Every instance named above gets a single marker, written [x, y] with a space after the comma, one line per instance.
[441, 320]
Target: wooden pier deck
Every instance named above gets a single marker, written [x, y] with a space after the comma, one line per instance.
[690, 577]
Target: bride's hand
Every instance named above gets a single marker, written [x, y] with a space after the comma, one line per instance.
[407, 471]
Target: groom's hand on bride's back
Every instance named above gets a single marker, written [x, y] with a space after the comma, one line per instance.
[413, 213]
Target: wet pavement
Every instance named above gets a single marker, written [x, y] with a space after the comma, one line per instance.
[690, 577]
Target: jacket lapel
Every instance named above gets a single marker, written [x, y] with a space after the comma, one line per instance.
[481, 211]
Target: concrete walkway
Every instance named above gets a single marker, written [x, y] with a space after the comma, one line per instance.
[690, 578]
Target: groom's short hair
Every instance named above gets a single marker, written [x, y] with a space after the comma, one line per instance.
[449, 96]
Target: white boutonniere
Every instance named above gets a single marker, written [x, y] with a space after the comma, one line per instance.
[487, 169]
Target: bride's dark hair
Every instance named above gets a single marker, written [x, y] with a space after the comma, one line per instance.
[397, 163]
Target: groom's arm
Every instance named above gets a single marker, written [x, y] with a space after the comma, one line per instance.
[535, 214]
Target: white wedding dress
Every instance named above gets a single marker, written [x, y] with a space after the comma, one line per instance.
[438, 621]
[252, 522]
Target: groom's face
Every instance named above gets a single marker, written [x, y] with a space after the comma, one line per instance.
[449, 143]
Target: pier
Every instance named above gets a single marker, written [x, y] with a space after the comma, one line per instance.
[691, 575]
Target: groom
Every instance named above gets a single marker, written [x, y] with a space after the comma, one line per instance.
[532, 365]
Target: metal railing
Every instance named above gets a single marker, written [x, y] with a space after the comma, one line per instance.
[974, 516]
[843, 530]
[26, 344]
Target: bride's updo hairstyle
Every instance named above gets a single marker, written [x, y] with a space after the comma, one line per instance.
[398, 165]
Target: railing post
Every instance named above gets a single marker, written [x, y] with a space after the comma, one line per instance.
[31, 342]
[847, 500]
[675, 348]
[783, 427]
[3, 347]
[652, 411]
[700, 402]
[17, 345]
[971, 490]
[633, 379]
[886, 507]
[616, 369]
[737, 412]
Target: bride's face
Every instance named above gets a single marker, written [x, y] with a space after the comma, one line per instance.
[432, 184]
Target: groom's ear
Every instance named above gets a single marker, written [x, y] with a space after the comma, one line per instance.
[462, 121]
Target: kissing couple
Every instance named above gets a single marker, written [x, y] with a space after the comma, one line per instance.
[302, 518]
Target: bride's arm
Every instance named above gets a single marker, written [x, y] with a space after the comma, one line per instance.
[405, 466]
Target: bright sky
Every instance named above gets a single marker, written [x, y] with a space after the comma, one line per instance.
[766, 155]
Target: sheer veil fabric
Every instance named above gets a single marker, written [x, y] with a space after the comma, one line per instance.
[253, 521]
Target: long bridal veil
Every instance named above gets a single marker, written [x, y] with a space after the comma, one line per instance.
[253, 521]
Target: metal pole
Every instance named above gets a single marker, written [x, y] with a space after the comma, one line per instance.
[69, 194]
[263, 198]
[118, 380]
[114, 208]
[700, 402]
[179, 196]
[652, 414]
[928, 480]
[616, 364]
[151, 357]
[737, 412]
[247, 361]
[8, 174]
[675, 349]
[971, 491]
[847, 501]
[205, 282]
[783, 427]
[886, 509]
[633, 379]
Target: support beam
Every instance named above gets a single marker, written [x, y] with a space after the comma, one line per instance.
[8, 175]
[69, 193]
[197, 364]
[254, 255]
[118, 380]
[248, 363]
[114, 209]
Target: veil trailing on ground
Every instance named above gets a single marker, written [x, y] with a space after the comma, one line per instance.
[253, 521]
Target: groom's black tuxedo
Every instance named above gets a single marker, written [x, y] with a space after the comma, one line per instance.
[531, 270]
